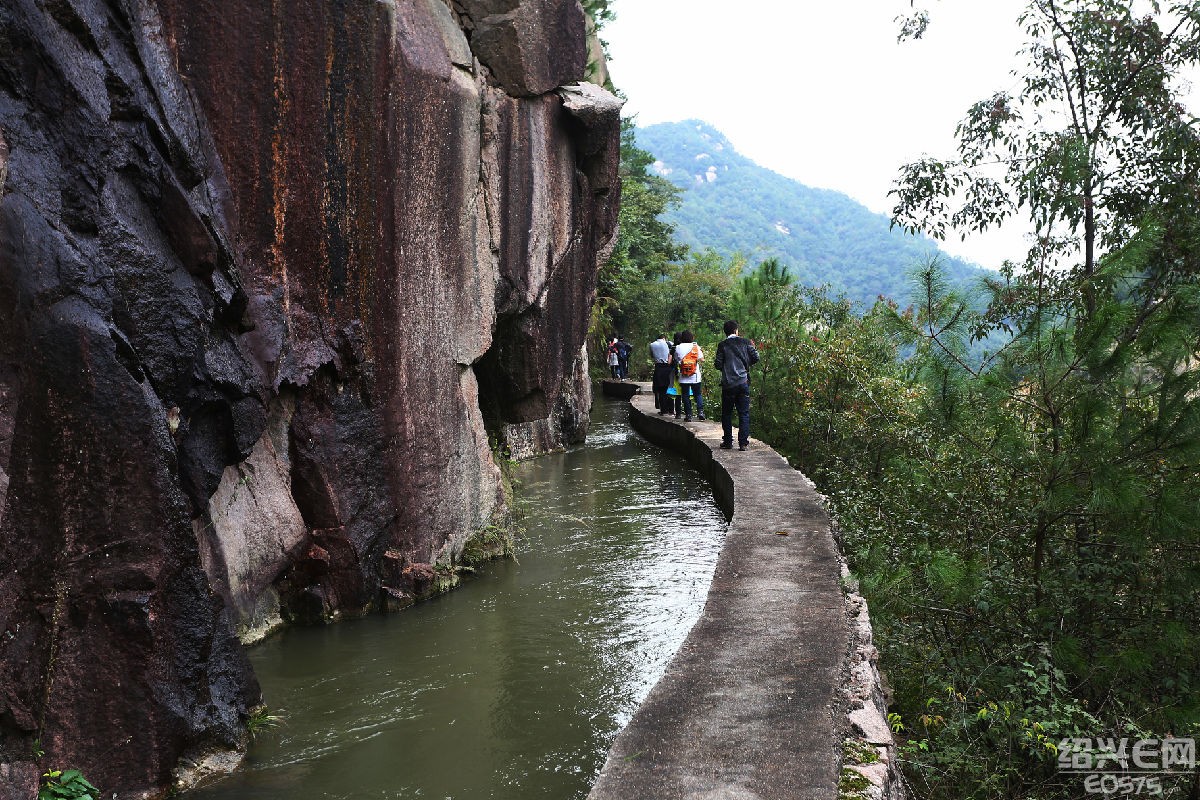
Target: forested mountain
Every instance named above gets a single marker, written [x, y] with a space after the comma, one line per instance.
[730, 204]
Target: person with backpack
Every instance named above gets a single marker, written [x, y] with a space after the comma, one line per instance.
[624, 348]
[735, 356]
[688, 356]
[675, 392]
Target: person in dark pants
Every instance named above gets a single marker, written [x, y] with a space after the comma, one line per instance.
[624, 348]
[688, 356]
[677, 398]
[734, 358]
[614, 363]
[660, 352]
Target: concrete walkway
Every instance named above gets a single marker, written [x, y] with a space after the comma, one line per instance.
[749, 707]
[622, 390]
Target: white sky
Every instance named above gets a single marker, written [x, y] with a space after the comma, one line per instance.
[821, 91]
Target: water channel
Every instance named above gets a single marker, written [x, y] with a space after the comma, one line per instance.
[514, 685]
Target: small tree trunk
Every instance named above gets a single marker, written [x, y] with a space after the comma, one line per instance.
[1089, 250]
[1039, 554]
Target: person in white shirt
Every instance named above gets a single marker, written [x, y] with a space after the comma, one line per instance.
[688, 356]
[660, 352]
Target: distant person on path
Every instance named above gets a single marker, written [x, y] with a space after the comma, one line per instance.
[735, 356]
[624, 349]
[614, 359]
[688, 356]
[660, 351]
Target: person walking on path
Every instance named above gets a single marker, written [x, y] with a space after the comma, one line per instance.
[675, 391]
[688, 356]
[614, 358]
[660, 352]
[735, 356]
[624, 348]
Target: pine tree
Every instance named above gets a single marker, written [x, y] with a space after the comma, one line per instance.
[1086, 418]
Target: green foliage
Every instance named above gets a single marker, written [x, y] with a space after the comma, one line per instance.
[645, 253]
[856, 751]
[262, 720]
[689, 295]
[1004, 518]
[600, 11]
[1065, 591]
[913, 26]
[1014, 458]
[1011, 739]
[852, 785]
[652, 284]
[1095, 138]
[491, 542]
[66, 785]
[732, 205]
[764, 295]
[646, 243]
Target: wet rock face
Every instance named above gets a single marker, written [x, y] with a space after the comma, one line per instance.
[418, 244]
[274, 279]
[119, 301]
[553, 231]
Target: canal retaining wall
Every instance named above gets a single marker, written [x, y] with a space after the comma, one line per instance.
[776, 691]
[620, 390]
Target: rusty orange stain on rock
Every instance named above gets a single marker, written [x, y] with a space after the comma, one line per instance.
[279, 159]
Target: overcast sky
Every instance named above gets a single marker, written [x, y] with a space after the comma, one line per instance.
[821, 91]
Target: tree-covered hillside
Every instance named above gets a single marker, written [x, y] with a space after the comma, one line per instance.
[733, 205]
[1015, 474]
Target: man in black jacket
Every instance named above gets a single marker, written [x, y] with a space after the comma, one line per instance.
[735, 356]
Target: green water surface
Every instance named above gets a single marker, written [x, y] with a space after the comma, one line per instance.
[514, 685]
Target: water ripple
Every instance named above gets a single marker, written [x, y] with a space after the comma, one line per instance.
[514, 685]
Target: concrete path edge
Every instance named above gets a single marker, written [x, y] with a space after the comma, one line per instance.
[776, 691]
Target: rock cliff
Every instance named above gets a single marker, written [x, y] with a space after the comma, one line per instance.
[275, 280]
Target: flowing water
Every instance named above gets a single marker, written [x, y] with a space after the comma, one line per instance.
[514, 685]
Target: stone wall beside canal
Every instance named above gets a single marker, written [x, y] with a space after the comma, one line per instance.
[776, 692]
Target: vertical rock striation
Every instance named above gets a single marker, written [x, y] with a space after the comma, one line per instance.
[120, 303]
[275, 279]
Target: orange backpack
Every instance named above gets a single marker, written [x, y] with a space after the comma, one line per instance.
[687, 367]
